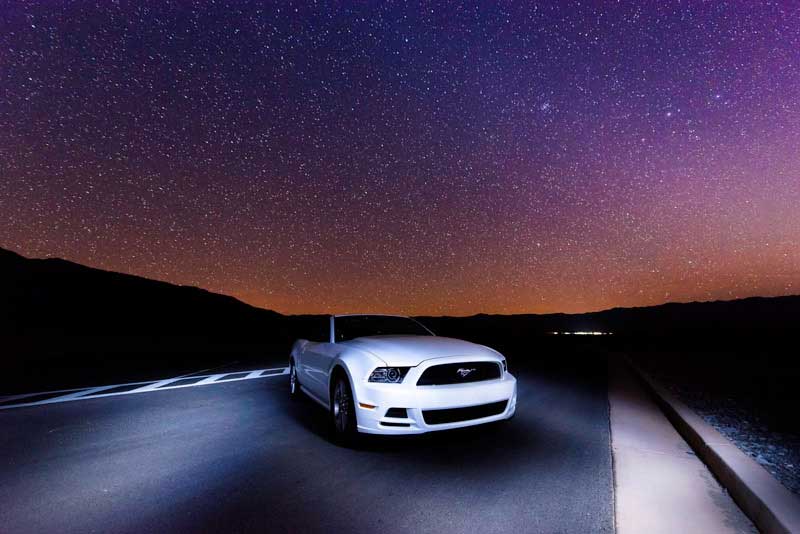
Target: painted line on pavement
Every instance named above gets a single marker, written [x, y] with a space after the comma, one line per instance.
[193, 373]
[7, 398]
[146, 387]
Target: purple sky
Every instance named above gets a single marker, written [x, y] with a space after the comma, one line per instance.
[406, 158]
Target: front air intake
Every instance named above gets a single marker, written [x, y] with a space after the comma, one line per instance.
[455, 415]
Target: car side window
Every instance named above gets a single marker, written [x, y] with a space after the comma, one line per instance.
[319, 330]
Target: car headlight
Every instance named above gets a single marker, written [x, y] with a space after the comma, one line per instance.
[389, 375]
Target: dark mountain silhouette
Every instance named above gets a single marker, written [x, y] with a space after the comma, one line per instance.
[748, 316]
[59, 296]
[63, 324]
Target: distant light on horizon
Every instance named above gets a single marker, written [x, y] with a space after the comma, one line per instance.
[582, 333]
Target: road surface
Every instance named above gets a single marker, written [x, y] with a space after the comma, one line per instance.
[240, 456]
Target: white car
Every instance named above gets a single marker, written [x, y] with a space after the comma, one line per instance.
[385, 374]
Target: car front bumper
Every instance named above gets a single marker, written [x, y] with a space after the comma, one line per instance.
[418, 399]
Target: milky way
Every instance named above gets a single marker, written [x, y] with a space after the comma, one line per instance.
[435, 159]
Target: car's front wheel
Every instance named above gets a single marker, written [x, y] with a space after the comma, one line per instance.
[343, 413]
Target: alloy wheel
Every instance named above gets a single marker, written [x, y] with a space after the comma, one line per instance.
[342, 407]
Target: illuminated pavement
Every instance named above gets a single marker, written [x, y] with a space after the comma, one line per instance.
[240, 456]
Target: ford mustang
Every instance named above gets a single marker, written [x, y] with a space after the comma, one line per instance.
[385, 374]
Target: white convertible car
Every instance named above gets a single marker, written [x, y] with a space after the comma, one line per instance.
[384, 374]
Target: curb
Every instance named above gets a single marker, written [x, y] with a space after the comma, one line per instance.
[771, 507]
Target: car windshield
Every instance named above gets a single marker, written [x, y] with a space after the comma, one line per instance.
[353, 326]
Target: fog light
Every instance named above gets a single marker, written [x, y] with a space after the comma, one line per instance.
[401, 413]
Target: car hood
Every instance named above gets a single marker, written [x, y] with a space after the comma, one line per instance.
[410, 351]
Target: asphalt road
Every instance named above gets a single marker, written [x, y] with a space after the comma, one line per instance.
[242, 457]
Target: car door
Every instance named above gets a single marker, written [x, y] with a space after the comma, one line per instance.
[318, 359]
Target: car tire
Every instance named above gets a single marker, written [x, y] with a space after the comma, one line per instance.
[294, 382]
[344, 427]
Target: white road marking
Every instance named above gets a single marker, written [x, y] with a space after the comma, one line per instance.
[274, 372]
[146, 387]
[189, 375]
[210, 380]
[81, 393]
[23, 395]
[7, 398]
[155, 385]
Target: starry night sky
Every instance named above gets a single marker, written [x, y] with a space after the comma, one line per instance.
[422, 159]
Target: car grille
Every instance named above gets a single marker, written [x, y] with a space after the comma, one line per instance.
[454, 415]
[459, 373]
